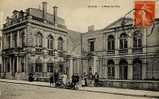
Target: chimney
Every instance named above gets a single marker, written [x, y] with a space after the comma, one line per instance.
[44, 9]
[55, 14]
[91, 28]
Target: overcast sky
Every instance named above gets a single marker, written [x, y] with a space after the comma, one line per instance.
[78, 16]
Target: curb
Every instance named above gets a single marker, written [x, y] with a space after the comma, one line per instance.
[115, 93]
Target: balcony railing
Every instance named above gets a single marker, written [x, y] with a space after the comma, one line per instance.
[137, 50]
[111, 52]
[123, 51]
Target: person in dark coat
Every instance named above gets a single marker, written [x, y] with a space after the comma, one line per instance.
[73, 81]
[31, 77]
[96, 79]
[85, 78]
[56, 77]
[76, 81]
[51, 80]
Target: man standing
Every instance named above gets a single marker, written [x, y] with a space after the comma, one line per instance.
[51, 80]
[56, 77]
[96, 79]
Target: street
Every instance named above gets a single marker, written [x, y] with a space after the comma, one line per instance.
[21, 91]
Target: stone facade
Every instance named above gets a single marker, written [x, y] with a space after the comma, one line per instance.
[120, 52]
[37, 42]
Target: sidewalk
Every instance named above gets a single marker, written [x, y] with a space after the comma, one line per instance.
[118, 91]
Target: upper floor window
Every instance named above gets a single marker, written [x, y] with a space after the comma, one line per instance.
[8, 40]
[60, 43]
[137, 39]
[50, 42]
[111, 42]
[91, 44]
[39, 40]
[14, 39]
[123, 41]
[22, 39]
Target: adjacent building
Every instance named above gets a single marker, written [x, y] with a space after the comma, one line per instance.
[122, 52]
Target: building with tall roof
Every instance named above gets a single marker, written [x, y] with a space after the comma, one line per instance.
[35, 41]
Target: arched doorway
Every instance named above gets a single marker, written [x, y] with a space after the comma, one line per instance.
[111, 69]
[38, 65]
[137, 69]
[123, 69]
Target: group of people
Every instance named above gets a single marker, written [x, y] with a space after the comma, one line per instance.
[90, 79]
[61, 80]
[58, 79]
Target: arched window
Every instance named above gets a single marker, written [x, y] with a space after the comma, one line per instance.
[39, 40]
[60, 43]
[137, 39]
[38, 65]
[137, 69]
[111, 69]
[50, 42]
[111, 42]
[123, 41]
[123, 69]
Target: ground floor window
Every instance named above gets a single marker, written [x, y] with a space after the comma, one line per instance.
[111, 69]
[50, 67]
[137, 69]
[123, 69]
[61, 68]
[38, 67]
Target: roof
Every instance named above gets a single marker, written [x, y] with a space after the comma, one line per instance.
[38, 13]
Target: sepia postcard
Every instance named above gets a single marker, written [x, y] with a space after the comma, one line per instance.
[79, 49]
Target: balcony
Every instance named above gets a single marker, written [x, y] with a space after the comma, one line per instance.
[123, 51]
[111, 52]
[137, 50]
[51, 52]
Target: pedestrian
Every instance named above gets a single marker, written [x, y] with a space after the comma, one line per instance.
[85, 78]
[96, 79]
[56, 77]
[90, 77]
[64, 80]
[76, 81]
[51, 80]
[73, 81]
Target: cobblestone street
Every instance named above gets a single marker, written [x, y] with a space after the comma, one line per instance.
[21, 91]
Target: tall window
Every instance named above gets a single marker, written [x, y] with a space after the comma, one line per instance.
[8, 41]
[137, 69]
[22, 39]
[49, 67]
[111, 40]
[123, 69]
[60, 43]
[50, 42]
[137, 39]
[38, 67]
[14, 39]
[111, 69]
[39, 40]
[91, 44]
[123, 41]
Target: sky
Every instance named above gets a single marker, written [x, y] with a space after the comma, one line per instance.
[78, 14]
